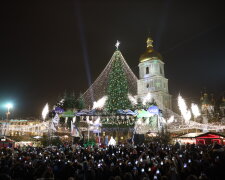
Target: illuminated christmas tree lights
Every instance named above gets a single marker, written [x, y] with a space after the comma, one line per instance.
[117, 91]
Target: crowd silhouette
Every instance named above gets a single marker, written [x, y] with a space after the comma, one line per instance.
[120, 162]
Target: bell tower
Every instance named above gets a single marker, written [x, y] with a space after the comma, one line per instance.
[152, 77]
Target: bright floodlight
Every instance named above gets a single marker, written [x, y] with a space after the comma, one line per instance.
[9, 105]
[45, 111]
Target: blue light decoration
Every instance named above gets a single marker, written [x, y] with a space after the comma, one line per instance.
[154, 110]
[59, 110]
[81, 113]
[126, 112]
[120, 112]
[129, 112]
[86, 112]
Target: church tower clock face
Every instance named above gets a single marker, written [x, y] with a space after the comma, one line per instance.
[152, 77]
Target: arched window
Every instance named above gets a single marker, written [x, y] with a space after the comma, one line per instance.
[147, 70]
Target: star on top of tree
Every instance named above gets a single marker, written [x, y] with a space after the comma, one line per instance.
[117, 44]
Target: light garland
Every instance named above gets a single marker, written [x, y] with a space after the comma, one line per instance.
[99, 87]
[40, 127]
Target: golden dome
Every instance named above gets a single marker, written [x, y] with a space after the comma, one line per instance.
[150, 53]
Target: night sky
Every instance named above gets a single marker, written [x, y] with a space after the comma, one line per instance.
[49, 47]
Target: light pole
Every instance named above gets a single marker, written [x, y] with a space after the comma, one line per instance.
[8, 106]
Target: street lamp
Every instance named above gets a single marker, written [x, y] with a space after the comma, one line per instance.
[8, 106]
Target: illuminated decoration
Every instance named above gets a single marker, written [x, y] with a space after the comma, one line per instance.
[112, 142]
[153, 110]
[59, 110]
[144, 125]
[74, 119]
[139, 122]
[85, 112]
[201, 138]
[126, 112]
[74, 130]
[60, 103]
[53, 127]
[45, 111]
[117, 44]
[148, 122]
[170, 120]
[183, 109]
[56, 119]
[142, 113]
[100, 86]
[28, 127]
[37, 137]
[132, 99]
[95, 127]
[146, 99]
[68, 113]
[97, 122]
[100, 103]
[195, 110]
[162, 120]
[117, 90]
[195, 125]
[156, 86]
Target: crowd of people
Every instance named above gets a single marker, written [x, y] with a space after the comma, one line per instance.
[120, 162]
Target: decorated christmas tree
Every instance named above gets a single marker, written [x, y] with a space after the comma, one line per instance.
[99, 87]
[117, 91]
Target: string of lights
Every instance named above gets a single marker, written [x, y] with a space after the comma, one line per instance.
[99, 88]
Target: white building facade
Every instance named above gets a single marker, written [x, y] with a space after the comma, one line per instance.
[152, 77]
